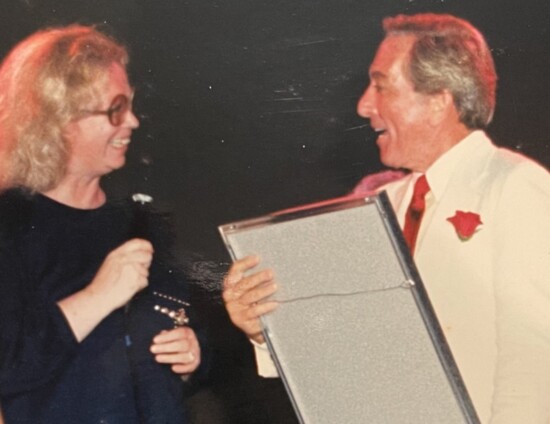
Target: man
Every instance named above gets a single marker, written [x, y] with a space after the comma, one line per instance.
[483, 246]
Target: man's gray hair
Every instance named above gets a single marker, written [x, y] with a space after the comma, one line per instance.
[450, 54]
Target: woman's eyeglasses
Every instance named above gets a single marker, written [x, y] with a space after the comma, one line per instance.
[116, 111]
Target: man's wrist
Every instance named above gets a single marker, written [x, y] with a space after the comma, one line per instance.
[259, 344]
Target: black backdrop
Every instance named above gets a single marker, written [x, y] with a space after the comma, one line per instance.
[248, 106]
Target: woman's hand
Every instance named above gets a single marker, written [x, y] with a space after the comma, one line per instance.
[122, 274]
[245, 297]
[179, 348]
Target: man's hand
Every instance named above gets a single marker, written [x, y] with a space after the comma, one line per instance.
[179, 348]
[245, 297]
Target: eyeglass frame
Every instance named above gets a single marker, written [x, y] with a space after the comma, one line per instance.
[114, 110]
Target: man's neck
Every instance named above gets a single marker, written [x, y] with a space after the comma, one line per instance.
[444, 140]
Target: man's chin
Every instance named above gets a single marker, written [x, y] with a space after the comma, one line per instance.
[384, 150]
[387, 160]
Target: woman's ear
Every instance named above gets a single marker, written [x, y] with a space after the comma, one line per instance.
[68, 132]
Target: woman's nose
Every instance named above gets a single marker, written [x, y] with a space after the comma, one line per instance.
[131, 119]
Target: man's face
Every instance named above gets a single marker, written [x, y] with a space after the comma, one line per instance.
[396, 111]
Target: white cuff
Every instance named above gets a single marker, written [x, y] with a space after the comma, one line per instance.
[264, 363]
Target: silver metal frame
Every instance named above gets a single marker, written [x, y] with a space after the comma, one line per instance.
[278, 238]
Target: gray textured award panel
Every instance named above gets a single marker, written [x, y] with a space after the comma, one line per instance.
[348, 338]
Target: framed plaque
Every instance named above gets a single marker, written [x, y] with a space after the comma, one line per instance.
[354, 338]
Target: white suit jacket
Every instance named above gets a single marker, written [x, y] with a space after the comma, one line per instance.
[491, 293]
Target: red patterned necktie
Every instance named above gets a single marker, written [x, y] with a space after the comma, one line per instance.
[415, 212]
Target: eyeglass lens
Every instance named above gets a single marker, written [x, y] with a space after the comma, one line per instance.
[117, 110]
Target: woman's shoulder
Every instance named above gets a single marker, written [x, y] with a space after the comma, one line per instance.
[15, 214]
[15, 206]
[14, 195]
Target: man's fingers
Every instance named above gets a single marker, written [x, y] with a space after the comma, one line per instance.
[247, 317]
[246, 263]
[258, 294]
[259, 309]
[238, 269]
[248, 284]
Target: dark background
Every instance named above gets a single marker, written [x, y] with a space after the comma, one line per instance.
[248, 106]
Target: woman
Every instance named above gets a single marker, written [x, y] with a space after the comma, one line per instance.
[92, 317]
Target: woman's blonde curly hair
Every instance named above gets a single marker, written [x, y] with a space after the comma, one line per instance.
[45, 82]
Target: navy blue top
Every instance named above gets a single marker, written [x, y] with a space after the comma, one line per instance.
[47, 252]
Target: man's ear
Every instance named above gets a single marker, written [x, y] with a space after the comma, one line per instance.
[442, 107]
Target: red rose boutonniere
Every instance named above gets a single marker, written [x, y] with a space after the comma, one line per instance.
[466, 224]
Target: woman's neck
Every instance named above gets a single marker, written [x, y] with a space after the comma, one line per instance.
[78, 193]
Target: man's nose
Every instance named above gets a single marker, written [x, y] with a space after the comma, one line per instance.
[364, 105]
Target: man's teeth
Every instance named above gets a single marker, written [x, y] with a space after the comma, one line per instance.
[120, 142]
